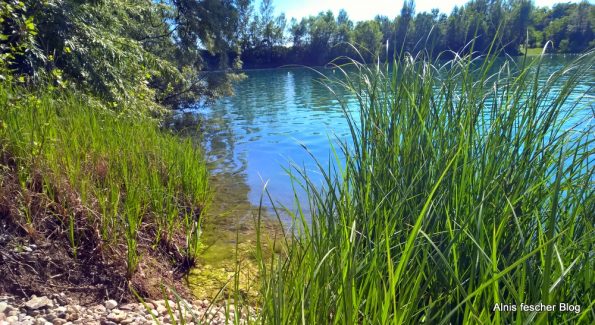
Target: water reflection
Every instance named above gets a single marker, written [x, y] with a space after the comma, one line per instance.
[256, 133]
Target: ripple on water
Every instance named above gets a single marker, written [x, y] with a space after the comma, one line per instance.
[274, 112]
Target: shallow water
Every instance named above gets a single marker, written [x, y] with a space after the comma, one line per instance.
[254, 135]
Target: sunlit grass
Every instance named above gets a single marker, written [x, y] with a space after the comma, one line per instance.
[464, 186]
[532, 51]
[120, 171]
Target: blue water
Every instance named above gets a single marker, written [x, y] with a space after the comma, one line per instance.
[254, 135]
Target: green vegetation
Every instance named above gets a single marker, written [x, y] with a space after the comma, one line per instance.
[117, 172]
[532, 51]
[80, 81]
[463, 187]
[144, 54]
[315, 40]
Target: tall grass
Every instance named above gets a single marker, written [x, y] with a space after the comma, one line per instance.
[465, 184]
[118, 171]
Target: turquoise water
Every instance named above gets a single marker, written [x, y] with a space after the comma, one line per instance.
[253, 136]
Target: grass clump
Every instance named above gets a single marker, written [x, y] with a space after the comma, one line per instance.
[466, 184]
[118, 172]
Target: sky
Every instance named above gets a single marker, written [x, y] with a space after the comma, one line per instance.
[368, 9]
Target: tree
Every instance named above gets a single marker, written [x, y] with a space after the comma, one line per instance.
[322, 29]
[139, 51]
[368, 36]
[387, 28]
[403, 24]
[299, 32]
[455, 29]
[519, 19]
[342, 36]
[279, 30]
[424, 32]
[245, 14]
[581, 27]
[267, 25]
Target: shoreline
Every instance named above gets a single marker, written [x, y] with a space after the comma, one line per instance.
[58, 310]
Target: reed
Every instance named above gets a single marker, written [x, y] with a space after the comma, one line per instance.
[466, 184]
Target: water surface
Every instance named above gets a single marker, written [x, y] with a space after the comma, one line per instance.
[254, 135]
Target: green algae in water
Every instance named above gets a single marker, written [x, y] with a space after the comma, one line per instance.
[229, 243]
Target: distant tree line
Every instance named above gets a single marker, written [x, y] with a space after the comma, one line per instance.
[271, 40]
[171, 53]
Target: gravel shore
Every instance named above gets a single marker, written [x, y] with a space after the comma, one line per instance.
[57, 310]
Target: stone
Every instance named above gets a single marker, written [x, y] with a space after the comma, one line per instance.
[40, 321]
[12, 319]
[60, 312]
[71, 313]
[59, 321]
[39, 302]
[3, 306]
[107, 322]
[111, 304]
[60, 299]
[161, 309]
[128, 320]
[128, 307]
[116, 316]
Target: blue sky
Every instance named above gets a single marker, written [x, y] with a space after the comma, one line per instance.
[367, 9]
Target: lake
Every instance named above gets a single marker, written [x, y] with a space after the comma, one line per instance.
[252, 137]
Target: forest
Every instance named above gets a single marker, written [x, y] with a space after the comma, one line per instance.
[315, 40]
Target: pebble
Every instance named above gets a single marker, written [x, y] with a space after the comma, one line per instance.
[72, 313]
[116, 317]
[39, 302]
[111, 304]
[129, 307]
[46, 311]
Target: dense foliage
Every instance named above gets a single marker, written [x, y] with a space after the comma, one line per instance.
[106, 177]
[146, 52]
[174, 52]
[464, 185]
[316, 40]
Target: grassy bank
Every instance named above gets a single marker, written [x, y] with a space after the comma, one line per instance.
[113, 183]
[464, 187]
